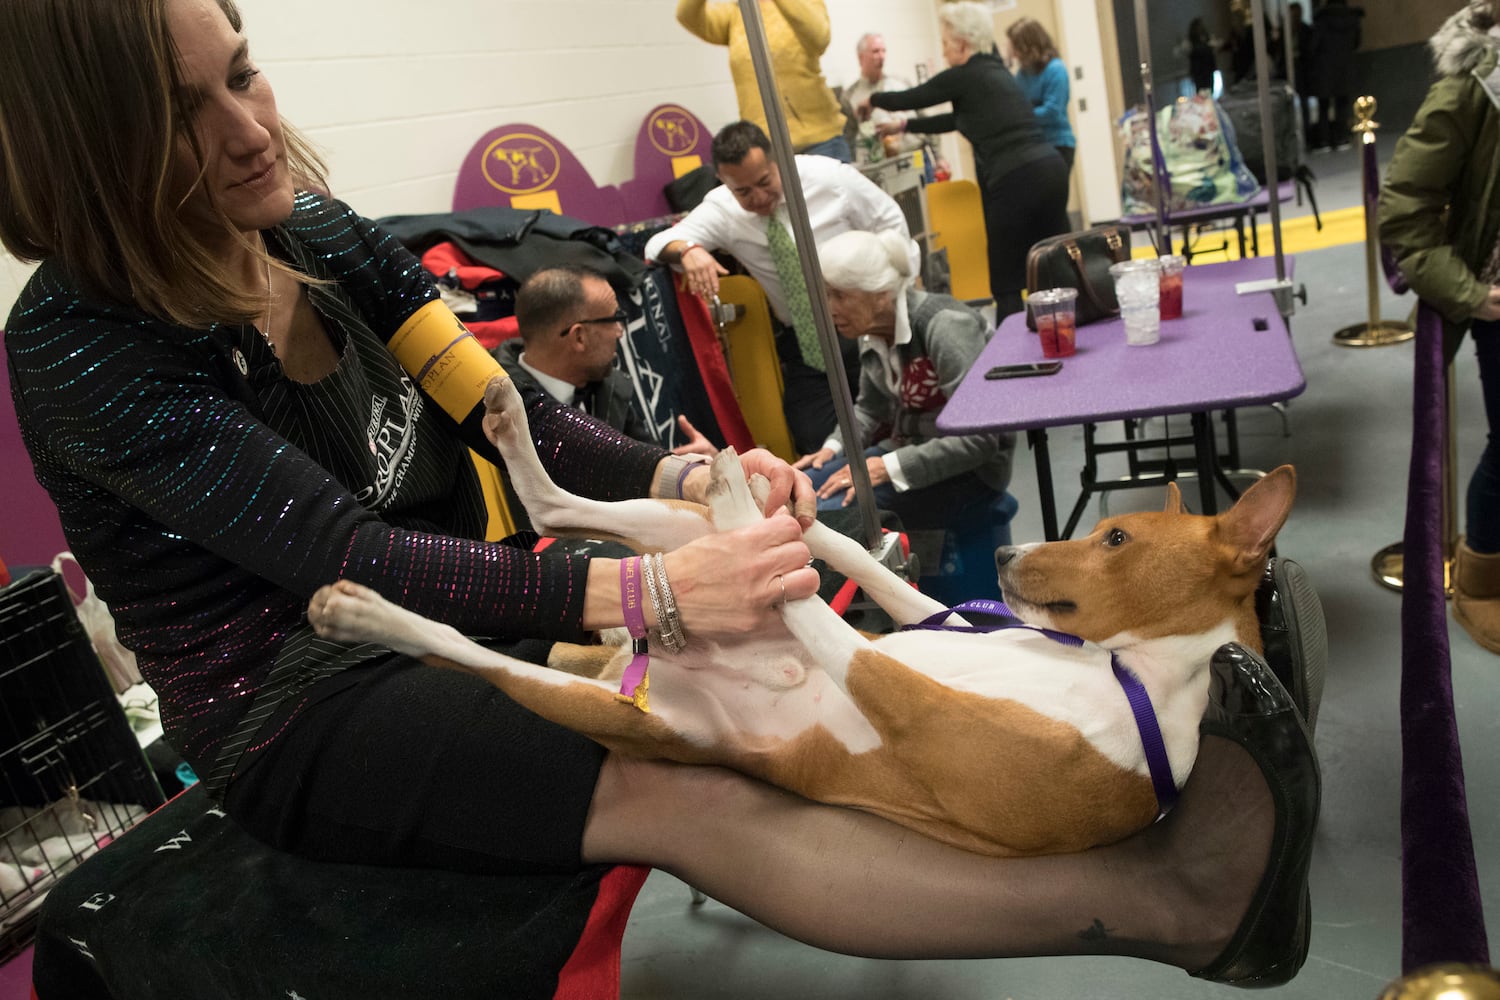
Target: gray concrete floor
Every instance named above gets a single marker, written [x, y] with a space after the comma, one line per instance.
[1349, 439]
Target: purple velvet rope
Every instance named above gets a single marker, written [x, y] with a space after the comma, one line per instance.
[1442, 917]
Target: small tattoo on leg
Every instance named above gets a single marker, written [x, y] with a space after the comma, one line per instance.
[1094, 932]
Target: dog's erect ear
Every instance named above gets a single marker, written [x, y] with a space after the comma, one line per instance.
[1174, 499]
[1251, 525]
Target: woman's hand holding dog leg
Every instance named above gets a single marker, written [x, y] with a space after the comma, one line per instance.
[788, 485]
[729, 583]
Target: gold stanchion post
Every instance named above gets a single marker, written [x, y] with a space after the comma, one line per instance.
[1451, 981]
[1389, 564]
[1374, 332]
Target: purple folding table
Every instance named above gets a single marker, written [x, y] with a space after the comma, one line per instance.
[1227, 351]
[1238, 212]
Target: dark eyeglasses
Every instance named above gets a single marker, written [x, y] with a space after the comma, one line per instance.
[619, 317]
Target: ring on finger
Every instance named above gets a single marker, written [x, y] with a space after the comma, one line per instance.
[782, 582]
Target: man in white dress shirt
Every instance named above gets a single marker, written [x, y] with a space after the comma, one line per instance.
[739, 218]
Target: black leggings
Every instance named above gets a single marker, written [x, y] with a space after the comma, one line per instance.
[1021, 207]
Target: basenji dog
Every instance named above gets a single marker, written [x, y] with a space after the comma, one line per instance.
[1013, 741]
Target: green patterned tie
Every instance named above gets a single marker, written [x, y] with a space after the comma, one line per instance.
[789, 270]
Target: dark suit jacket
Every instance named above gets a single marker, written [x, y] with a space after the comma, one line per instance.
[611, 398]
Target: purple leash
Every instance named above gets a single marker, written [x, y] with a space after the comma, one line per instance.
[1135, 691]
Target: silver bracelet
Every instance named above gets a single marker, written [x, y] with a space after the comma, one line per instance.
[654, 592]
[671, 473]
[668, 621]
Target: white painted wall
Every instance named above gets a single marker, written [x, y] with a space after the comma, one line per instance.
[1098, 171]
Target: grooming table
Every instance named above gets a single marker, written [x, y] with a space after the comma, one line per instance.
[187, 905]
[1240, 213]
[1226, 351]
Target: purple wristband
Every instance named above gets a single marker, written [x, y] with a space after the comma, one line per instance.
[633, 682]
[630, 597]
[682, 476]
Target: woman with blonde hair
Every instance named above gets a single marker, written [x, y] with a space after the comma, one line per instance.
[1022, 178]
[1044, 78]
[210, 375]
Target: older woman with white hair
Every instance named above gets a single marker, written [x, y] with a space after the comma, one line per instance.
[914, 348]
[1023, 180]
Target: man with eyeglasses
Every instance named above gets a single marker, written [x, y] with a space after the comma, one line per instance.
[570, 325]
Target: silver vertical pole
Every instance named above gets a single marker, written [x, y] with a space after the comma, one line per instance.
[1268, 139]
[812, 274]
[1163, 234]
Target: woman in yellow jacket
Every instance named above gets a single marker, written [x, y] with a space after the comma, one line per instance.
[797, 34]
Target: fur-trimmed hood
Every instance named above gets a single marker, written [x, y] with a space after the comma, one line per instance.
[1465, 38]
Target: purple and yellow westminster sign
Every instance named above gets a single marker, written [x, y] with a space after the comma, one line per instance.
[521, 166]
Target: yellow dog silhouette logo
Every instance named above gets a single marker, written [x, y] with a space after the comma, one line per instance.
[673, 131]
[521, 163]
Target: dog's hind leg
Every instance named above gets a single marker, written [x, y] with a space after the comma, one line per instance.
[644, 525]
[348, 612]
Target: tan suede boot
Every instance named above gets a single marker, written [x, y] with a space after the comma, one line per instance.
[1476, 595]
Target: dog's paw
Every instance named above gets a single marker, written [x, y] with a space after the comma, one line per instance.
[729, 496]
[345, 611]
[504, 413]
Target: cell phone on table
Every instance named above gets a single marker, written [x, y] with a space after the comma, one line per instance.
[1025, 370]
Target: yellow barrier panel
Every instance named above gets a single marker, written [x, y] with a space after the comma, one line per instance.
[754, 367]
[956, 217]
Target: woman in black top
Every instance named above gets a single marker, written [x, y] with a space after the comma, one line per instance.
[211, 375]
[1023, 180]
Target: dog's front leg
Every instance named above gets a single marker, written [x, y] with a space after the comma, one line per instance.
[644, 525]
[829, 640]
[904, 603]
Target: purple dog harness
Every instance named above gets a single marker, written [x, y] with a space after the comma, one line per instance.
[1135, 691]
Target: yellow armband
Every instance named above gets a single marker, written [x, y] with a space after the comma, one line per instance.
[451, 367]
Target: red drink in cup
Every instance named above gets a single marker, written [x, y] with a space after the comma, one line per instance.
[1046, 328]
[1171, 286]
[1052, 310]
[1066, 330]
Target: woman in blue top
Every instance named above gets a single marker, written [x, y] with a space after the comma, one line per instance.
[1044, 78]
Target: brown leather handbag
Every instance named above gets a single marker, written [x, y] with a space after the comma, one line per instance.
[1080, 260]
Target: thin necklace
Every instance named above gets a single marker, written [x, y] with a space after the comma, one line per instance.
[266, 330]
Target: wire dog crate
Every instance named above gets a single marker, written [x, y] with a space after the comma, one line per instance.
[72, 774]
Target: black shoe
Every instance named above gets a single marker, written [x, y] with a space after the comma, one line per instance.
[1294, 635]
[1248, 706]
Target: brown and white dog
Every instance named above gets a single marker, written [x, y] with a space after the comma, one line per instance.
[1005, 742]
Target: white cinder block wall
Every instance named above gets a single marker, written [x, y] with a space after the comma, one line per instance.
[395, 93]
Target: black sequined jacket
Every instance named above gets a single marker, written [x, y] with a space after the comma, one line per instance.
[208, 496]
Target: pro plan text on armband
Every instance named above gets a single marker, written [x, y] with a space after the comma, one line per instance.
[451, 366]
